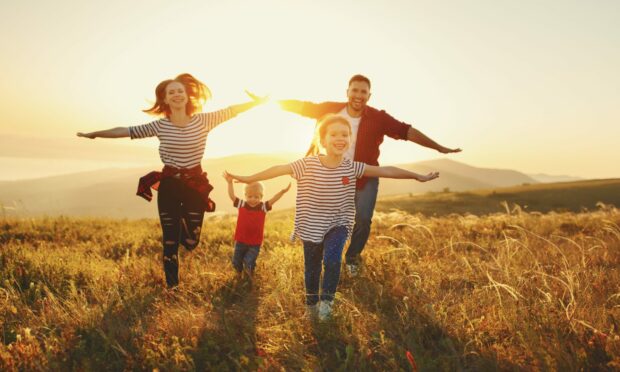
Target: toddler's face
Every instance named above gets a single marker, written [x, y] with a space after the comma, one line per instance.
[253, 197]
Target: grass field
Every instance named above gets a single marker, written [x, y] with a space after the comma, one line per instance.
[511, 290]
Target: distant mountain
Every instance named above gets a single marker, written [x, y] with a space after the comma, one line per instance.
[111, 192]
[547, 178]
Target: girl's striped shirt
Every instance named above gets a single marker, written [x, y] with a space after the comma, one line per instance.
[325, 197]
[182, 147]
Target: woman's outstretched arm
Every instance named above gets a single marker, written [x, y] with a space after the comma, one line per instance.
[118, 132]
[269, 173]
[256, 100]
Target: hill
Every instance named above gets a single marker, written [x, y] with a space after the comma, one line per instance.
[111, 192]
[561, 196]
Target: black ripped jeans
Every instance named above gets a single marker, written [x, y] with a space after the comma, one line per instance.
[181, 211]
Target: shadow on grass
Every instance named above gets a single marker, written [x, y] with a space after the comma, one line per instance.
[230, 343]
[419, 341]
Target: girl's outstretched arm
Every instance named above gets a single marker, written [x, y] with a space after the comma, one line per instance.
[394, 172]
[273, 172]
[118, 132]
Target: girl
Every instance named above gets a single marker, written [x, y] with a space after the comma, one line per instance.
[325, 206]
[183, 187]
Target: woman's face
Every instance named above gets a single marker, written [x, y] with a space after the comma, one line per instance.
[176, 97]
[337, 139]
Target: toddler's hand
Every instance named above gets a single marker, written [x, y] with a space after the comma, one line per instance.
[227, 177]
[286, 188]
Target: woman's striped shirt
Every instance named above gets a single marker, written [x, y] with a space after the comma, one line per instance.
[182, 147]
[325, 197]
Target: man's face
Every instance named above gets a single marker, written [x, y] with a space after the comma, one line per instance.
[358, 94]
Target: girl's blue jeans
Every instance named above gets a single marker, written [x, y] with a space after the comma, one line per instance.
[326, 255]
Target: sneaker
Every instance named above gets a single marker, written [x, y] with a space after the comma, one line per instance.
[325, 310]
[353, 270]
[312, 311]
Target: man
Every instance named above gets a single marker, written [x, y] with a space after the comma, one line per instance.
[369, 126]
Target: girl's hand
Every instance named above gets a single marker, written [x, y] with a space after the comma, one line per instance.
[287, 188]
[87, 135]
[429, 177]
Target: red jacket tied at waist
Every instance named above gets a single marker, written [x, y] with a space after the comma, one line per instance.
[193, 178]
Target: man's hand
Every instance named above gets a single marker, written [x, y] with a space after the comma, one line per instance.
[445, 150]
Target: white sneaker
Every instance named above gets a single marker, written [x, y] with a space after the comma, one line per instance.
[353, 270]
[325, 310]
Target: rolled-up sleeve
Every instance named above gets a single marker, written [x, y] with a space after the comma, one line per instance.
[394, 128]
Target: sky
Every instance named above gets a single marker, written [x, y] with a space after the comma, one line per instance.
[524, 85]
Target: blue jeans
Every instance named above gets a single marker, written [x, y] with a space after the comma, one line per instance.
[329, 254]
[245, 255]
[365, 200]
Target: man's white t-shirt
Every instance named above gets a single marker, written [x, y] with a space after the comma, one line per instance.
[355, 124]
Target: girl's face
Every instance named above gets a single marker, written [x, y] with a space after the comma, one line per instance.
[176, 97]
[337, 139]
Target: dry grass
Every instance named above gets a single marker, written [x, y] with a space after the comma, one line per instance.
[505, 291]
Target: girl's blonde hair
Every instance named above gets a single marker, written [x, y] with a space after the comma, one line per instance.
[197, 93]
[321, 130]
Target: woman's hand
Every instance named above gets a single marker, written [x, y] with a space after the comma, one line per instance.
[90, 135]
[257, 99]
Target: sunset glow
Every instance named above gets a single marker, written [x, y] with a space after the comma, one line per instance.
[532, 87]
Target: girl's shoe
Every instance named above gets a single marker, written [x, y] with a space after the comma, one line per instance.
[325, 310]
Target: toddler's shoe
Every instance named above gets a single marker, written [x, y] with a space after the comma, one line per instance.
[325, 310]
[353, 270]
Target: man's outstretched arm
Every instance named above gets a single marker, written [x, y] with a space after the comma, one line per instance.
[421, 139]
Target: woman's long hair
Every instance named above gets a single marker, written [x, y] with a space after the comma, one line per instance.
[321, 130]
[197, 94]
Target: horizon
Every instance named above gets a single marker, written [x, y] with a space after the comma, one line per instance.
[120, 166]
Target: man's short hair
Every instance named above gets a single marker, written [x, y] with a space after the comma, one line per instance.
[359, 77]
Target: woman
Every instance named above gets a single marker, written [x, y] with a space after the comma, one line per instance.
[183, 188]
